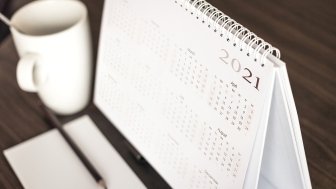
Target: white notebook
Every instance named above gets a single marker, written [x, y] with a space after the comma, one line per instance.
[47, 161]
[206, 101]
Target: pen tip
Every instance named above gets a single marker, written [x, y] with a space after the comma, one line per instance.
[102, 184]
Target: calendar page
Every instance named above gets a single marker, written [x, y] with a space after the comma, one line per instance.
[186, 98]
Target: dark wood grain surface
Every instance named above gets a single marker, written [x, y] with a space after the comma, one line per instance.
[304, 31]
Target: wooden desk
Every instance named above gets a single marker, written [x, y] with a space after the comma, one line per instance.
[304, 31]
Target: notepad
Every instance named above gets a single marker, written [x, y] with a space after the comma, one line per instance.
[47, 161]
[206, 101]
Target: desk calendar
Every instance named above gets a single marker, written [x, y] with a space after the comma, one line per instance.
[204, 100]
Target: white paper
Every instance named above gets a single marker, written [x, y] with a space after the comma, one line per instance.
[102, 155]
[47, 161]
[282, 163]
[174, 88]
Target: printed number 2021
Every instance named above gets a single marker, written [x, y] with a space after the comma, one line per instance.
[236, 66]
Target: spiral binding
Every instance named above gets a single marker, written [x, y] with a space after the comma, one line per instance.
[228, 28]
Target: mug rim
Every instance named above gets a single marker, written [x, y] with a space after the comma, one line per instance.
[81, 19]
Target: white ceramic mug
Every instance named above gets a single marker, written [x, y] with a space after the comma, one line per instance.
[54, 44]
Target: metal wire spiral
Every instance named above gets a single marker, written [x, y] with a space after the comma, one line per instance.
[231, 30]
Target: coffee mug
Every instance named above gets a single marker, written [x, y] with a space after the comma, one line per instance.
[53, 40]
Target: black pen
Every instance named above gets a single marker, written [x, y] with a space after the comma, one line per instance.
[56, 123]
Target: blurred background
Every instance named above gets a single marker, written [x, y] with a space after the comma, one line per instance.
[303, 30]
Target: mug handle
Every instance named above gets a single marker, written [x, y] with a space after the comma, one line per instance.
[26, 73]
